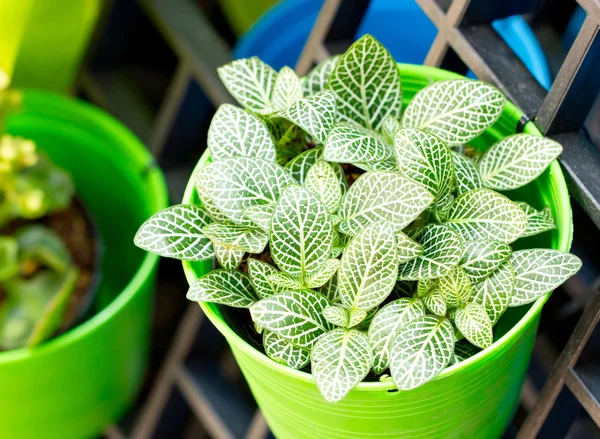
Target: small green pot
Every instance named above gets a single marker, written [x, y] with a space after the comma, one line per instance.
[76, 384]
[475, 398]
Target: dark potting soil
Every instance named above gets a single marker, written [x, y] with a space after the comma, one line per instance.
[75, 229]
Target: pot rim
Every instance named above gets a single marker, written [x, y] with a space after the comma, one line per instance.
[86, 112]
[565, 238]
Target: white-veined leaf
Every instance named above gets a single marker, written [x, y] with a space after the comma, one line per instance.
[382, 195]
[457, 110]
[176, 232]
[229, 258]
[539, 271]
[442, 207]
[466, 174]
[261, 215]
[322, 181]
[237, 237]
[407, 248]
[336, 315]
[385, 327]
[225, 287]
[485, 214]
[456, 287]
[340, 360]
[463, 350]
[258, 272]
[517, 160]
[481, 258]
[425, 159]
[369, 267]
[301, 233]
[370, 314]
[283, 281]
[389, 127]
[495, 292]
[300, 165]
[347, 143]
[538, 221]
[366, 82]
[422, 349]
[340, 241]
[297, 316]
[330, 290]
[237, 183]
[250, 81]
[315, 114]
[425, 285]
[475, 324]
[284, 352]
[384, 165]
[287, 89]
[434, 302]
[209, 205]
[441, 252]
[356, 316]
[326, 272]
[316, 80]
[235, 132]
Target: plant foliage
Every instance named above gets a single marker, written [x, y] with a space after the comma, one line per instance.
[356, 202]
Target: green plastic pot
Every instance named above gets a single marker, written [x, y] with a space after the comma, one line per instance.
[76, 384]
[476, 398]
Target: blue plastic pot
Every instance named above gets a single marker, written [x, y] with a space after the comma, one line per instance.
[279, 36]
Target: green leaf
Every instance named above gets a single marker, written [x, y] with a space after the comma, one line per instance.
[322, 181]
[284, 352]
[316, 80]
[340, 360]
[456, 110]
[284, 281]
[485, 214]
[237, 237]
[225, 287]
[434, 302]
[261, 215]
[287, 89]
[538, 221]
[235, 132]
[236, 183]
[442, 207]
[424, 286]
[250, 81]
[386, 325]
[297, 316]
[389, 127]
[463, 350]
[39, 243]
[369, 267]
[455, 287]
[384, 165]
[336, 315]
[495, 292]
[357, 316]
[228, 257]
[441, 252]
[481, 258]
[209, 205]
[299, 165]
[382, 195]
[176, 232]
[315, 114]
[301, 233]
[405, 288]
[348, 143]
[474, 323]
[517, 160]
[258, 272]
[366, 82]
[330, 290]
[466, 174]
[326, 272]
[425, 159]
[422, 349]
[407, 248]
[9, 261]
[539, 271]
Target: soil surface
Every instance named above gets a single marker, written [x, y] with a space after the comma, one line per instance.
[77, 232]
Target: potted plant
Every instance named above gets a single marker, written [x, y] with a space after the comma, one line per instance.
[359, 221]
[70, 365]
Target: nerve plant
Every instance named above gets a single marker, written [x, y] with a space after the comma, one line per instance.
[408, 267]
[37, 276]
